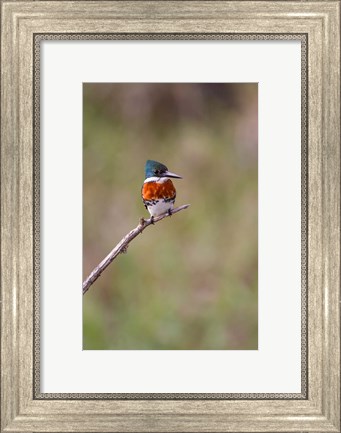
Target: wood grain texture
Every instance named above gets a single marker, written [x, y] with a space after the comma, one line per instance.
[19, 411]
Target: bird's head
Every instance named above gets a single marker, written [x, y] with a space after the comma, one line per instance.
[156, 169]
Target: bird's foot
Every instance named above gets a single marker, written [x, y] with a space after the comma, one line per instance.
[152, 220]
[169, 212]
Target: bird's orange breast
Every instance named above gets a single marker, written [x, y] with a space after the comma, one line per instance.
[158, 190]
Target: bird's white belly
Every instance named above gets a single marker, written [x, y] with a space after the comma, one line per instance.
[160, 207]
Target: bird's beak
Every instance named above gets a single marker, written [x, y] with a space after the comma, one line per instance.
[169, 174]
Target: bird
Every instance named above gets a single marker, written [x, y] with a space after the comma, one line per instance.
[158, 192]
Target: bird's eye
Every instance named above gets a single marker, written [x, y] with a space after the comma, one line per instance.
[157, 172]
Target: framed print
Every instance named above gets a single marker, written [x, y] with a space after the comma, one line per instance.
[182, 161]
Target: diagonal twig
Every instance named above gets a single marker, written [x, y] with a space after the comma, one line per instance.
[122, 246]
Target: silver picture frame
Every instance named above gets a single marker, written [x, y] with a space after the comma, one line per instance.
[25, 25]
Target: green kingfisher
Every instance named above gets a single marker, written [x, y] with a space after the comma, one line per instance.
[158, 192]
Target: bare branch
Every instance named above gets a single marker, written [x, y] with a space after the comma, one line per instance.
[122, 246]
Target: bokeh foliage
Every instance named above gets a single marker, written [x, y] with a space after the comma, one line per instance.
[190, 281]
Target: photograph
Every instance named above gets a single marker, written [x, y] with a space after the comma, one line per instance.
[190, 280]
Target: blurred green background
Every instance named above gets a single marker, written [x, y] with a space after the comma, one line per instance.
[190, 281]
